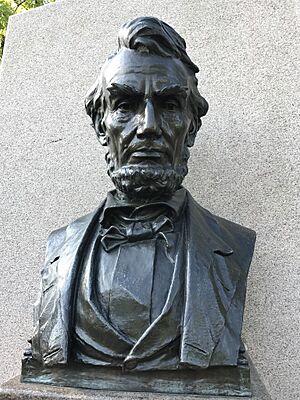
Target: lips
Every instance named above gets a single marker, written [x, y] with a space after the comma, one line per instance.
[147, 153]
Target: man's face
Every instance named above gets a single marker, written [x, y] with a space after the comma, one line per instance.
[146, 123]
[147, 118]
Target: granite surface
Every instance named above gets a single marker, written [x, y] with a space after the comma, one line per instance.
[244, 165]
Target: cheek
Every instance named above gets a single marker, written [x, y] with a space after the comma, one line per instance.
[120, 131]
[180, 123]
[178, 126]
[176, 120]
[112, 124]
[115, 123]
[113, 131]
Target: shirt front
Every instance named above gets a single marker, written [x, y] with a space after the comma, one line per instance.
[129, 276]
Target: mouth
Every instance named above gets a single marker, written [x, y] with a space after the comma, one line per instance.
[152, 153]
[147, 153]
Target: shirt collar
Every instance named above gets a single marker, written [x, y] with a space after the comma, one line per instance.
[176, 203]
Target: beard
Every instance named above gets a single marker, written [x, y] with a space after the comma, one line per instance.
[143, 182]
[147, 182]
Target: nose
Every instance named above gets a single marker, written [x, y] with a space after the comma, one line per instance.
[148, 125]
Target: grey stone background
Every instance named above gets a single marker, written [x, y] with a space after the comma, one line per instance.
[244, 165]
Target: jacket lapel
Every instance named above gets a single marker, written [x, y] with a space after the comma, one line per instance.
[210, 284]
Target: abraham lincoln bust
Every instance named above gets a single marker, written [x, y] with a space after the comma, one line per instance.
[150, 281]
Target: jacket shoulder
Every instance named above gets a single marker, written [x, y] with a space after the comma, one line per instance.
[238, 238]
[235, 232]
[56, 238]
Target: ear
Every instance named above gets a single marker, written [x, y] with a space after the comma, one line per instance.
[191, 136]
[99, 127]
[102, 139]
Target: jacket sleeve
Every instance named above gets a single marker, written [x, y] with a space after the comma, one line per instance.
[54, 243]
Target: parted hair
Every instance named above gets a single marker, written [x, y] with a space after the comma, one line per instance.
[151, 35]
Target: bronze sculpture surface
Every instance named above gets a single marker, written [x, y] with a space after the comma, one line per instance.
[150, 281]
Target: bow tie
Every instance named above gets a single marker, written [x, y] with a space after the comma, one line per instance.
[134, 232]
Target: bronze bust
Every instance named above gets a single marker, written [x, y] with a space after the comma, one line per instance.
[150, 281]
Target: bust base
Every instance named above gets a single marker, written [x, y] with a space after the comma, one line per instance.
[216, 381]
[14, 390]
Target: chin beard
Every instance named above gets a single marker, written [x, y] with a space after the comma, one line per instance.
[144, 182]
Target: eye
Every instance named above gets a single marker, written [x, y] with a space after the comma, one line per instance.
[171, 105]
[125, 106]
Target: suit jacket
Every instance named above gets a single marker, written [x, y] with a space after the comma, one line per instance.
[216, 258]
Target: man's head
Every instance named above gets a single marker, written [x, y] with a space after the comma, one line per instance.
[145, 106]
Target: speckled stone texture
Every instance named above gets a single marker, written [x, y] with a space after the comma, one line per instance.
[244, 165]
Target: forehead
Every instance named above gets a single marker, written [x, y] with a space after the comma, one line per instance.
[144, 71]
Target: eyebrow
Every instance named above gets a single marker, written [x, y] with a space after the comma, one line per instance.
[117, 89]
[176, 90]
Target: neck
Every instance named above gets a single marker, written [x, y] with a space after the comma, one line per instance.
[134, 200]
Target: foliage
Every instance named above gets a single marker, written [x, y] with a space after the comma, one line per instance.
[9, 7]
